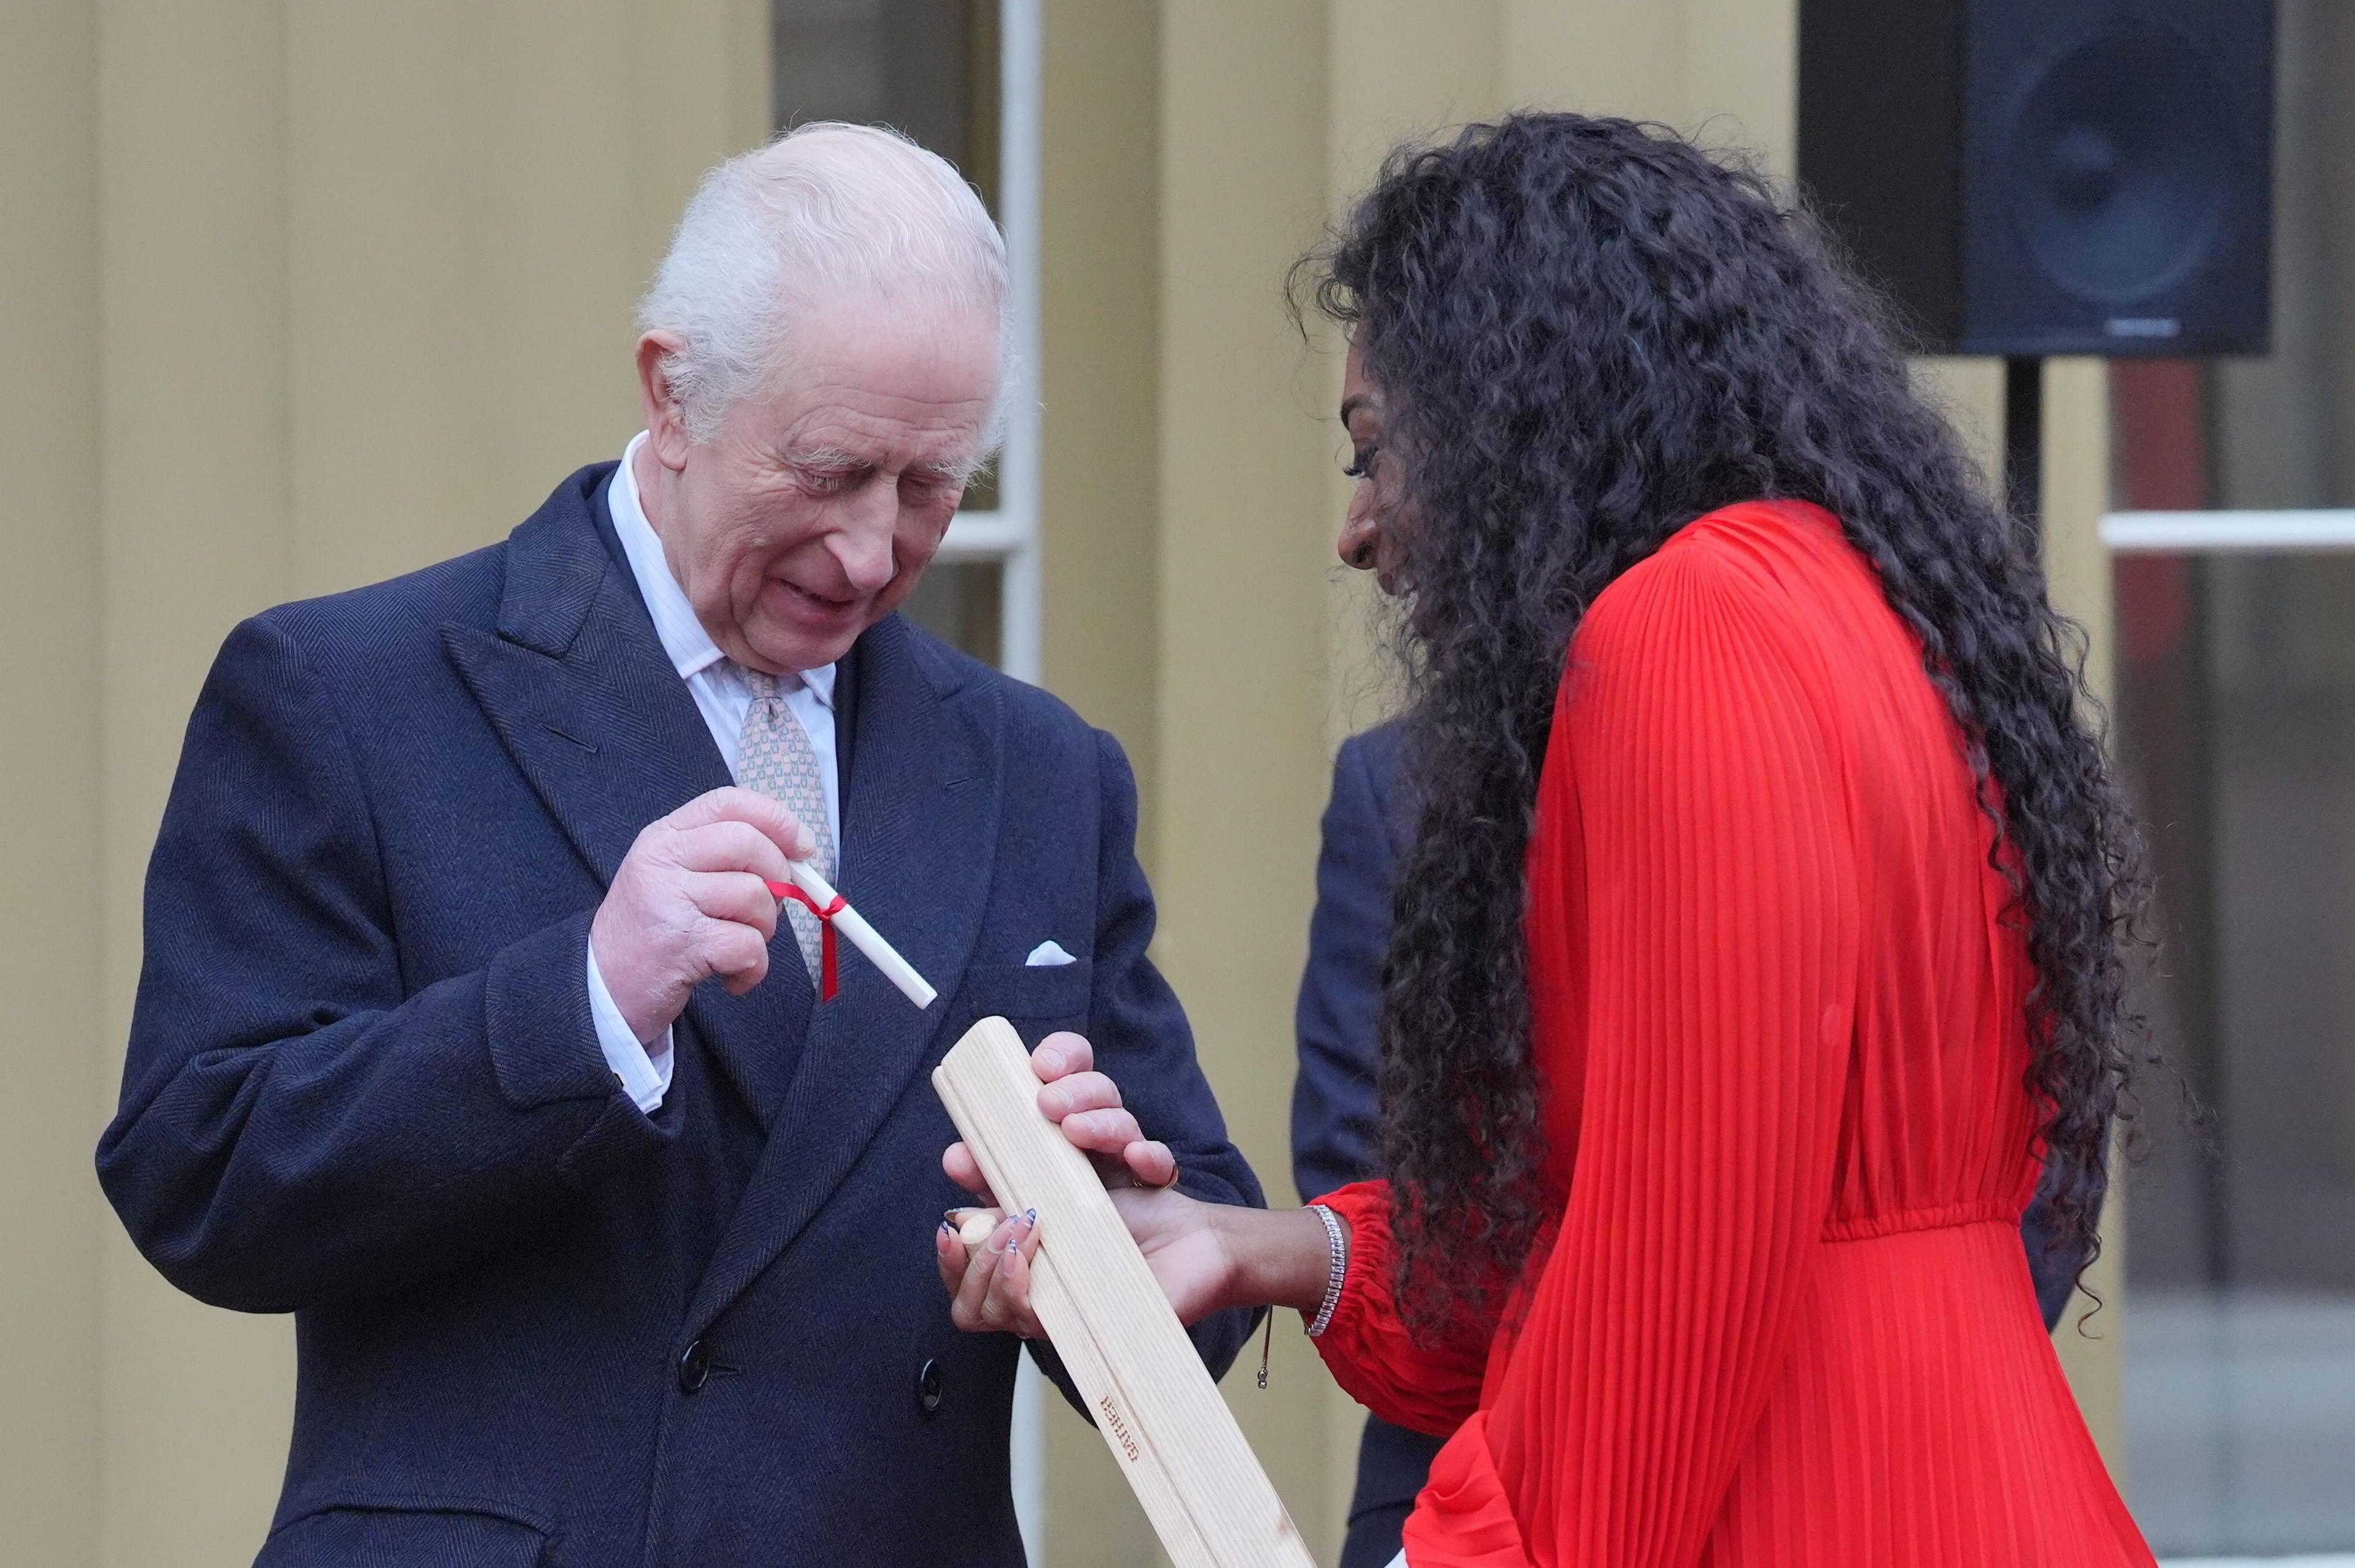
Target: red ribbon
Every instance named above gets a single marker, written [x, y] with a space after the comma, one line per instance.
[825, 966]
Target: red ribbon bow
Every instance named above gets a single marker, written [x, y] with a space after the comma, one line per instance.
[826, 976]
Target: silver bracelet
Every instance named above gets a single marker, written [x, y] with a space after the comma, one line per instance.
[1338, 1272]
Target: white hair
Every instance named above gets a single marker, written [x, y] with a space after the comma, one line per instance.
[824, 208]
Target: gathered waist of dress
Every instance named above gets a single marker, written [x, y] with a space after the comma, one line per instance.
[1898, 1223]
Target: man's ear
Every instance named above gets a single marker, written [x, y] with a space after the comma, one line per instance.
[666, 431]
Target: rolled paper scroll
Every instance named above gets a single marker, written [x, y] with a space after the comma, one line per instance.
[863, 936]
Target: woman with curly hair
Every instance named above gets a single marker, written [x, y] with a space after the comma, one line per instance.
[1760, 935]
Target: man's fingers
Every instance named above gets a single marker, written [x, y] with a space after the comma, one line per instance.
[742, 897]
[1078, 1092]
[1102, 1132]
[728, 846]
[736, 954]
[965, 1171]
[735, 803]
[1060, 1054]
[1151, 1162]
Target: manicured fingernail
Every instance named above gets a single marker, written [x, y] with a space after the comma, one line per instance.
[949, 1217]
[947, 1228]
[1029, 1219]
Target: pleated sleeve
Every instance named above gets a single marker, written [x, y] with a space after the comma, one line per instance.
[1695, 764]
[1425, 1383]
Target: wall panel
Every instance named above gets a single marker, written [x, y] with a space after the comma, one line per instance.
[365, 298]
[195, 528]
[1242, 560]
[51, 881]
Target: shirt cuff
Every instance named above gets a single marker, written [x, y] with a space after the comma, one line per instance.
[644, 1071]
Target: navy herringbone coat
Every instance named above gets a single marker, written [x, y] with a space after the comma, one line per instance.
[535, 1324]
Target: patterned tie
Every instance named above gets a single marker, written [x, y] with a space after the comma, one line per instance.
[773, 755]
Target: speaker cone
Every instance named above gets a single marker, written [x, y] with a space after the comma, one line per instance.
[2119, 170]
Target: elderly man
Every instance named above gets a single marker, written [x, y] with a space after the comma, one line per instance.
[471, 1033]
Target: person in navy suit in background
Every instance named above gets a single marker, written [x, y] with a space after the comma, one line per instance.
[1336, 1111]
[470, 1032]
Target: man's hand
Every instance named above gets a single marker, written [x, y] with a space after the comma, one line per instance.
[989, 1284]
[1086, 1106]
[692, 901]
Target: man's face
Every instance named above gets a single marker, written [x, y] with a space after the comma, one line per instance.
[811, 513]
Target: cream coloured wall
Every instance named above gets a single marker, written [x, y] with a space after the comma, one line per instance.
[195, 530]
[1240, 621]
[392, 313]
[1100, 240]
[1100, 235]
[50, 942]
[304, 294]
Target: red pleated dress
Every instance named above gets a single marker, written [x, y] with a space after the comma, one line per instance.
[1780, 1020]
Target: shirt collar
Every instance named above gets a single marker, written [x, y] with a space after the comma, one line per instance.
[820, 682]
[689, 646]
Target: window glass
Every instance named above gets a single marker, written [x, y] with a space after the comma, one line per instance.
[2237, 723]
[929, 68]
[960, 603]
[2235, 715]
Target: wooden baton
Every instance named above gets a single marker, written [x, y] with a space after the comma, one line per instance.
[1145, 1383]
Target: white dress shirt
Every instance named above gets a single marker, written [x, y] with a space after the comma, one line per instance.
[723, 698]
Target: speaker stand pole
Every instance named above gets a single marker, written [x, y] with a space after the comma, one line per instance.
[2023, 439]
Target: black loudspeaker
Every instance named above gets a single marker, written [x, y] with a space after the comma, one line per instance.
[2049, 177]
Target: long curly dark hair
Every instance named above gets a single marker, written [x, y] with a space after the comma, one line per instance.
[1589, 333]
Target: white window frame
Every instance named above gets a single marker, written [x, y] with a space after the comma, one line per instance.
[1007, 535]
[2238, 533]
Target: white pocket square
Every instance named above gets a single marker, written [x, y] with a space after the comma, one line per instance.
[1047, 955]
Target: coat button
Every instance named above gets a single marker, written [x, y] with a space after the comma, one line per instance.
[928, 1388]
[694, 1366]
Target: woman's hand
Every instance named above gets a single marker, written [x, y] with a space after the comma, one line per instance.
[990, 1282]
[1186, 1246]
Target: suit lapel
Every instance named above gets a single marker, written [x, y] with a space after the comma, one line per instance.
[919, 823]
[581, 694]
